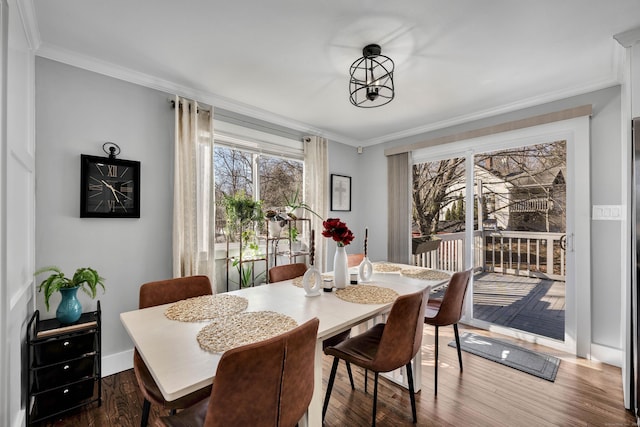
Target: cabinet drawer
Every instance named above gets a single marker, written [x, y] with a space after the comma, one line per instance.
[59, 350]
[59, 399]
[63, 373]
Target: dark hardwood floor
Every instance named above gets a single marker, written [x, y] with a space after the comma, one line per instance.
[585, 393]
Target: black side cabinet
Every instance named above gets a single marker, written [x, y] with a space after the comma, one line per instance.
[63, 365]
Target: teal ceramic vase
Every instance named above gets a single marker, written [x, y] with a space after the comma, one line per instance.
[70, 309]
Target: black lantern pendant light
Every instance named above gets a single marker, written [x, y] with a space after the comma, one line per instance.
[371, 83]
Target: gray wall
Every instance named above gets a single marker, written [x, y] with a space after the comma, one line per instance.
[372, 199]
[76, 112]
[344, 160]
[607, 156]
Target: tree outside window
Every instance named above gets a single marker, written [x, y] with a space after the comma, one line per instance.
[268, 178]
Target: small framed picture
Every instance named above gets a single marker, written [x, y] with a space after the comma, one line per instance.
[340, 193]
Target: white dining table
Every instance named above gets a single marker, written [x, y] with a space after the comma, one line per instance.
[179, 366]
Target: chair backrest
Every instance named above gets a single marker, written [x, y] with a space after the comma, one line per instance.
[298, 373]
[286, 272]
[268, 383]
[354, 259]
[165, 292]
[172, 290]
[450, 310]
[402, 335]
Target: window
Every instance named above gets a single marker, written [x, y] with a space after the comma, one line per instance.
[264, 177]
[279, 179]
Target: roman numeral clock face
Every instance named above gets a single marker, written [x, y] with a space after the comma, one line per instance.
[109, 188]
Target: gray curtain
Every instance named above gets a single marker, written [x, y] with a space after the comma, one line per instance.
[399, 226]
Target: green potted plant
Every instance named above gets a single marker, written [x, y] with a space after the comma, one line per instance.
[295, 205]
[275, 222]
[69, 309]
[250, 251]
[293, 233]
[296, 245]
[240, 210]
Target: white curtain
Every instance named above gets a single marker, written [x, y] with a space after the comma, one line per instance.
[316, 191]
[193, 192]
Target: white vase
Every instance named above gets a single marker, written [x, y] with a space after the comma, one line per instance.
[274, 228]
[365, 270]
[312, 282]
[340, 269]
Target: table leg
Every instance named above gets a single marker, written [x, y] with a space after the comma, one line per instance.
[313, 417]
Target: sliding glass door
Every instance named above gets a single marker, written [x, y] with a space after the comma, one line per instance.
[520, 208]
[507, 206]
[438, 222]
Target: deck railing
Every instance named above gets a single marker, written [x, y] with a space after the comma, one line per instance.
[509, 252]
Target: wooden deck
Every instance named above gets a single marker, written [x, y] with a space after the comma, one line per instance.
[526, 303]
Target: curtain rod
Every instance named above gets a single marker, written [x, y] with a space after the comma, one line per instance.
[173, 105]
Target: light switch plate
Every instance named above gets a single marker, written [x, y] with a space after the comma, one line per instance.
[607, 213]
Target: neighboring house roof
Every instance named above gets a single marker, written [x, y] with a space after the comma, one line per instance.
[544, 178]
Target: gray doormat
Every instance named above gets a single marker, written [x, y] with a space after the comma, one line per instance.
[525, 360]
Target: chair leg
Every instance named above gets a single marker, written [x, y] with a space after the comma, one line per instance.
[455, 330]
[146, 406]
[353, 386]
[412, 393]
[435, 366]
[332, 378]
[375, 399]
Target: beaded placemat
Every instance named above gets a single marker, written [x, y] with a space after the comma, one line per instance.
[206, 307]
[421, 273]
[386, 267]
[367, 294]
[244, 328]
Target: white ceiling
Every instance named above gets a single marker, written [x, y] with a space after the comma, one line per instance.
[287, 61]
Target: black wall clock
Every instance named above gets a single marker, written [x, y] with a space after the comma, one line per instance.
[109, 187]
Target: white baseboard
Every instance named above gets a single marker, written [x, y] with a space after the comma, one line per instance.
[114, 363]
[608, 355]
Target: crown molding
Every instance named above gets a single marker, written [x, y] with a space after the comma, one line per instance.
[507, 108]
[99, 66]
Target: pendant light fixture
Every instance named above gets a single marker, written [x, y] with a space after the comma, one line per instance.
[371, 82]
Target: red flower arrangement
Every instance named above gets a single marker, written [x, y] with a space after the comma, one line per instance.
[338, 231]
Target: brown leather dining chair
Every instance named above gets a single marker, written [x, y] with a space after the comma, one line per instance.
[268, 383]
[448, 311]
[291, 271]
[385, 347]
[286, 272]
[151, 295]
